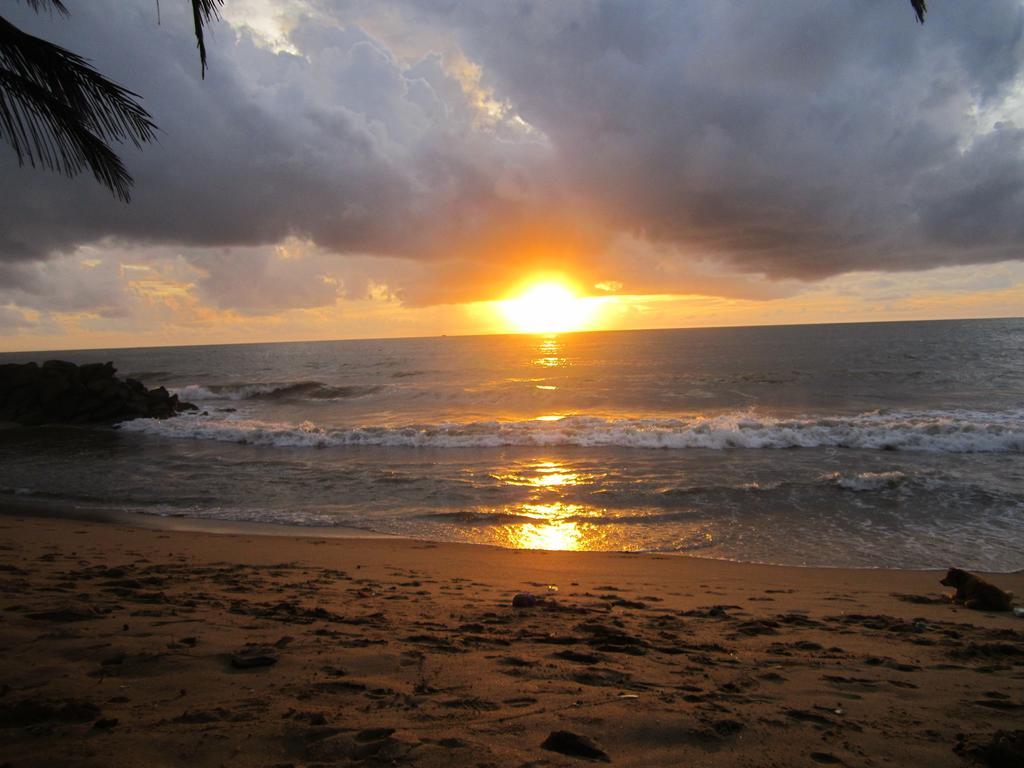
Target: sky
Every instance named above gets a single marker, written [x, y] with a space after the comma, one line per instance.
[383, 168]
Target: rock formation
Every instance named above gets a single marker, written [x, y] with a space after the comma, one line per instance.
[58, 392]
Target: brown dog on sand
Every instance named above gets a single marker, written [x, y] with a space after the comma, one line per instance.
[974, 592]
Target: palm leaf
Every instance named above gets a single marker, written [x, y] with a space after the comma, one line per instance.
[59, 113]
[203, 12]
[920, 8]
[52, 5]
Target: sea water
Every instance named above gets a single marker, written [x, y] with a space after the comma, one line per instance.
[886, 444]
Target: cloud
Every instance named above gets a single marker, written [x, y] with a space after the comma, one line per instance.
[977, 200]
[446, 150]
[13, 320]
[794, 139]
[344, 145]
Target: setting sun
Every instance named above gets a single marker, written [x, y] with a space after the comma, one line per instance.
[549, 307]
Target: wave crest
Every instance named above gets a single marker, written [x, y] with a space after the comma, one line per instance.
[930, 431]
[297, 390]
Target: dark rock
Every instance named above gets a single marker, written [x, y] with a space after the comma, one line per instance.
[806, 716]
[61, 366]
[628, 603]
[1003, 749]
[64, 615]
[59, 392]
[21, 398]
[727, 727]
[525, 600]
[578, 656]
[574, 745]
[825, 758]
[254, 656]
[158, 394]
[102, 387]
[988, 651]
[374, 734]
[29, 712]
[51, 388]
[96, 371]
[202, 717]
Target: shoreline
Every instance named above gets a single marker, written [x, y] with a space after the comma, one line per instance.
[56, 510]
[47, 509]
[128, 645]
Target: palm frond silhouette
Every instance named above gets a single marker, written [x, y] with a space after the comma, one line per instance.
[57, 112]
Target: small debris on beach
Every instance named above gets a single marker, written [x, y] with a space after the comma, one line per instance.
[526, 600]
[254, 656]
[574, 745]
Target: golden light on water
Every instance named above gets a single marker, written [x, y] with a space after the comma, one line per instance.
[551, 531]
[550, 306]
[550, 351]
[555, 524]
[556, 479]
[551, 474]
[549, 362]
[555, 516]
[544, 474]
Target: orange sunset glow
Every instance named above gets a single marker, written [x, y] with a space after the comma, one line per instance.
[535, 383]
[551, 306]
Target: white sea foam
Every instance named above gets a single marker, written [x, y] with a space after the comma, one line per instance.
[867, 481]
[954, 431]
[297, 390]
[197, 392]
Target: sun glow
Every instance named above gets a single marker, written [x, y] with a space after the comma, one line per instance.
[550, 307]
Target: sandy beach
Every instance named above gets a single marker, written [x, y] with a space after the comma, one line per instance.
[524, 384]
[128, 646]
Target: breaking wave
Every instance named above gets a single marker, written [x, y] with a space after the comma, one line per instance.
[298, 390]
[953, 431]
[867, 481]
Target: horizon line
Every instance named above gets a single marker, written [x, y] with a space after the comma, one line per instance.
[513, 333]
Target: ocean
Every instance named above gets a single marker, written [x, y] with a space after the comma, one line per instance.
[865, 445]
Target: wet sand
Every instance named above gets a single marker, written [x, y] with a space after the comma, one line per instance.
[130, 646]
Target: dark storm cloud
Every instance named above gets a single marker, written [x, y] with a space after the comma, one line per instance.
[977, 200]
[793, 139]
[341, 146]
[796, 138]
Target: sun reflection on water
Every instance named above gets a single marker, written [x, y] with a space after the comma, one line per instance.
[549, 353]
[545, 474]
[552, 511]
[550, 531]
[555, 523]
[556, 479]
[550, 362]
